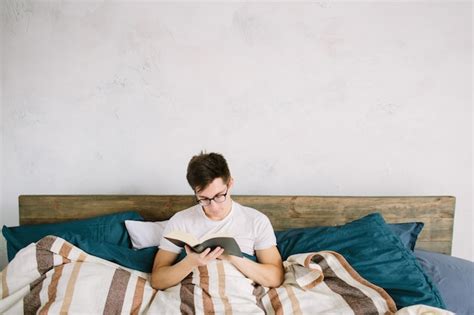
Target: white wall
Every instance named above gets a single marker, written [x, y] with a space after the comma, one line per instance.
[325, 98]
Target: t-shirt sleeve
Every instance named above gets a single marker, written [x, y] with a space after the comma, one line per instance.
[265, 236]
[172, 225]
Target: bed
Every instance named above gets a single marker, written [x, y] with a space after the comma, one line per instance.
[383, 246]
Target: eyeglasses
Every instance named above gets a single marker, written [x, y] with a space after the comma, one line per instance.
[220, 198]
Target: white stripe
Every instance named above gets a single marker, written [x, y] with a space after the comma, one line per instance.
[94, 293]
[165, 302]
[329, 301]
[129, 293]
[284, 300]
[267, 304]
[43, 295]
[148, 292]
[308, 278]
[75, 253]
[235, 281]
[13, 304]
[60, 289]
[57, 260]
[214, 285]
[57, 244]
[198, 303]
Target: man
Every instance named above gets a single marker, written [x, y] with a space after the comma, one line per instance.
[209, 177]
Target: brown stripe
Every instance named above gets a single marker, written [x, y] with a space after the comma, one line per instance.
[204, 284]
[138, 296]
[275, 300]
[259, 292]
[5, 292]
[46, 242]
[186, 295]
[65, 260]
[52, 289]
[32, 302]
[316, 281]
[118, 287]
[71, 284]
[44, 256]
[295, 305]
[65, 250]
[312, 284]
[82, 257]
[354, 297]
[224, 298]
[388, 299]
[308, 260]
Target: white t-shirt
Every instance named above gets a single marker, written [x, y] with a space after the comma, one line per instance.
[251, 229]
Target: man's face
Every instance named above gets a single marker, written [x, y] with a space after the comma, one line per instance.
[216, 189]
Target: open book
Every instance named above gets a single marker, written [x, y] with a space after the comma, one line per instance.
[228, 243]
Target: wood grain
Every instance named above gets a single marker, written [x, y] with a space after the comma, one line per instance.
[436, 212]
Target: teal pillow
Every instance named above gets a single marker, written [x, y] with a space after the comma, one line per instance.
[141, 259]
[108, 228]
[374, 251]
[407, 232]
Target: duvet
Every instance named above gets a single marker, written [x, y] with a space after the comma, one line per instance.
[53, 276]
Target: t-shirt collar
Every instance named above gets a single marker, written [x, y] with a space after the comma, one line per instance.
[227, 217]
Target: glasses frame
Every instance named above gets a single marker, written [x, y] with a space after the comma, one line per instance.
[207, 201]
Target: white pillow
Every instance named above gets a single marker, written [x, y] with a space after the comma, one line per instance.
[145, 234]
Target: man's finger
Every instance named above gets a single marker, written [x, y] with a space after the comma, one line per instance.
[205, 252]
[217, 252]
[220, 252]
[187, 249]
[217, 249]
[211, 254]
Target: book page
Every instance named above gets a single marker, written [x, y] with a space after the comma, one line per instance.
[183, 237]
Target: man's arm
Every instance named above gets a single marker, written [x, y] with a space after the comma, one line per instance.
[165, 274]
[267, 272]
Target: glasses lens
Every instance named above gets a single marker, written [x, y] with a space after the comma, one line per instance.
[204, 202]
[220, 198]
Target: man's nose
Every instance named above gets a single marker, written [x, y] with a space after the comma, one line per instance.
[212, 203]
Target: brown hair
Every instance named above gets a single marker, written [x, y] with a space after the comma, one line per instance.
[204, 168]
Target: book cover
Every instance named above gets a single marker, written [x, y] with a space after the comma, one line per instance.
[228, 243]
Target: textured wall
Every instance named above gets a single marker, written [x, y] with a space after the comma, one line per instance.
[325, 98]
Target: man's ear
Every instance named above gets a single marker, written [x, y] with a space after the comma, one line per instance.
[231, 183]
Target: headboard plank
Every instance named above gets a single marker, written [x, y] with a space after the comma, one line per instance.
[437, 212]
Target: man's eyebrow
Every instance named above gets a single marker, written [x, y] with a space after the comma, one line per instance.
[204, 197]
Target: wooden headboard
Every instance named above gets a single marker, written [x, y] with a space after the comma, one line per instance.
[436, 212]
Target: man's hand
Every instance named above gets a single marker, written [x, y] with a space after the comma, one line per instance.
[203, 258]
[229, 258]
[267, 272]
[166, 273]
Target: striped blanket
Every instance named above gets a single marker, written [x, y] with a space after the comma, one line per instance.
[53, 276]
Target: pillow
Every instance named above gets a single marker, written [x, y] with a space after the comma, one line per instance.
[141, 260]
[407, 232]
[145, 234]
[108, 228]
[374, 251]
[454, 278]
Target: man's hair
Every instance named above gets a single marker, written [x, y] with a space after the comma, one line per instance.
[204, 168]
